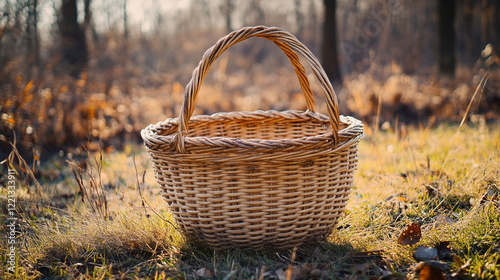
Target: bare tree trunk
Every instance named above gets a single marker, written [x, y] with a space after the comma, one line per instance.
[29, 37]
[17, 15]
[228, 12]
[313, 25]
[485, 23]
[329, 48]
[125, 21]
[36, 39]
[88, 26]
[469, 36]
[87, 14]
[125, 62]
[74, 45]
[490, 24]
[32, 40]
[447, 36]
[87, 23]
[258, 12]
[496, 26]
[299, 18]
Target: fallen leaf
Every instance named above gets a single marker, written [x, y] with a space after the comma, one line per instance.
[444, 251]
[429, 272]
[425, 253]
[28, 87]
[411, 235]
[205, 273]
[441, 265]
[110, 149]
[11, 120]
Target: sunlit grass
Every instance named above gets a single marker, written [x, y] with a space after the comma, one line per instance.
[62, 237]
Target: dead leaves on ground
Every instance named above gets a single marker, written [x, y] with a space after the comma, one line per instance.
[440, 251]
[428, 271]
[435, 270]
[411, 235]
[308, 271]
[435, 261]
[444, 251]
[429, 268]
[423, 253]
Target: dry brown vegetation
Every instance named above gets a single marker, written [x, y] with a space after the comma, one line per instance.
[88, 219]
[136, 80]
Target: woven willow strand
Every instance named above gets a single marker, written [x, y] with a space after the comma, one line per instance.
[290, 45]
[161, 135]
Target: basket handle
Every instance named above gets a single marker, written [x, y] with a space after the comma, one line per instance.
[290, 46]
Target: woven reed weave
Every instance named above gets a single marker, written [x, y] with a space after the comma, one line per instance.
[262, 178]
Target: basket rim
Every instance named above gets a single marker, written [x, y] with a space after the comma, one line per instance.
[156, 141]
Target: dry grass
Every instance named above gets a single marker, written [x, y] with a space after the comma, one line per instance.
[102, 226]
[62, 237]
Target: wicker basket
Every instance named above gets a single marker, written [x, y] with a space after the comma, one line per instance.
[262, 178]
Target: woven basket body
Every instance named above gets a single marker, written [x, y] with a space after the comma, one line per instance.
[262, 178]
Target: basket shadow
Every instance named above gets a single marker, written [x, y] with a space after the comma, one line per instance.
[317, 254]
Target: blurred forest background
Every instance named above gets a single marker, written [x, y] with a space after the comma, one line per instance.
[97, 72]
